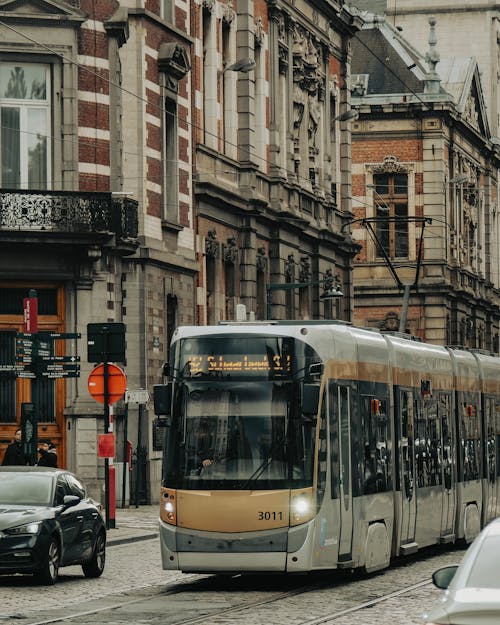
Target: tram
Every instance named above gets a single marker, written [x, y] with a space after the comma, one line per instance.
[301, 446]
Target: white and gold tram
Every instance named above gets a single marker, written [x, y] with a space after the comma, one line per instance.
[301, 446]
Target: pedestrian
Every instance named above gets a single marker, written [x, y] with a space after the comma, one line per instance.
[48, 455]
[14, 454]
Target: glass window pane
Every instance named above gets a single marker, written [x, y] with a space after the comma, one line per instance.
[11, 157]
[23, 82]
[37, 148]
[382, 184]
[401, 230]
[382, 232]
[401, 183]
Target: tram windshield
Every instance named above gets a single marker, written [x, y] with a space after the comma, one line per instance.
[237, 421]
[238, 436]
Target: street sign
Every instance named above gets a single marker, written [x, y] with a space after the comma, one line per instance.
[30, 311]
[137, 397]
[56, 374]
[59, 335]
[106, 342]
[106, 445]
[13, 367]
[117, 383]
[60, 359]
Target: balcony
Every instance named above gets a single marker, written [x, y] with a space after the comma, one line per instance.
[68, 217]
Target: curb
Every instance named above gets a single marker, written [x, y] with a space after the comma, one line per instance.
[112, 542]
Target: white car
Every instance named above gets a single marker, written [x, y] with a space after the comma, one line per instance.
[472, 589]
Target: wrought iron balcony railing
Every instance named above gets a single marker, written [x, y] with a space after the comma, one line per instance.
[68, 212]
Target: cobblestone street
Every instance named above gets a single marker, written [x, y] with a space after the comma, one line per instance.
[133, 573]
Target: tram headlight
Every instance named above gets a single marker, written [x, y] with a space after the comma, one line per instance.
[301, 508]
[169, 507]
[168, 510]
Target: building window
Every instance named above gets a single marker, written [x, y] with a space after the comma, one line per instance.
[226, 96]
[171, 164]
[391, 210]
[171, 317]
[167, 10]
[25, 125]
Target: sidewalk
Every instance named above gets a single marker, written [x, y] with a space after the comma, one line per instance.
[133, 524]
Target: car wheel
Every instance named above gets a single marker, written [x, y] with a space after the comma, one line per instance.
[95, 566]
[48, 572]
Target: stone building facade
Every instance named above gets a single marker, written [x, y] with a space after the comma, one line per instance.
[469, 28]
[163, 162]
[425, 192]
[97, 211]
[272, 167]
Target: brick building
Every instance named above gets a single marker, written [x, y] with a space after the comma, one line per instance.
[96, 207]
[163, 161]
[424, 192]
[272, 163]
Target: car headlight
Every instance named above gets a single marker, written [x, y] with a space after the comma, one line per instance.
[18, 530]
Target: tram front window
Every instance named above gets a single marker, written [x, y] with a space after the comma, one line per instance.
[237, 436]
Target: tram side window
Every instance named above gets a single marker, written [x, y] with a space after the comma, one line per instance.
[375, 472]
[428, 445]
[490, 458]
[334, 440]
[322, 454]
[497, 433]
[447, 455]
[470, 442]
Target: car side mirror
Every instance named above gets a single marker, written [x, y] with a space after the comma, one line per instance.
[442, 577]
[71, 500]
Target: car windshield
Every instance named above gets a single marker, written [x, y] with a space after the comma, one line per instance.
[484, 570]
[25, 489]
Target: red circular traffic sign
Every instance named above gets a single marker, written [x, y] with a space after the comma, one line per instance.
[117, 383]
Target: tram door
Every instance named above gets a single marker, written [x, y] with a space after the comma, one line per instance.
[490, 486]
[448, 464]
[406, 456]
[345, 482]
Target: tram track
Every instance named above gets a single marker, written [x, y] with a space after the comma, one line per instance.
[274, 600]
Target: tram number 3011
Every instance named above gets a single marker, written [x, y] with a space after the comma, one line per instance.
[270, 516]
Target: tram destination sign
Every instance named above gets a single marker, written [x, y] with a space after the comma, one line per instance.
[242, 364]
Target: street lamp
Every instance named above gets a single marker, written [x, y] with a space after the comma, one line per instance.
[460, 179]
[346, 116]
[332, 290]
[242, 65]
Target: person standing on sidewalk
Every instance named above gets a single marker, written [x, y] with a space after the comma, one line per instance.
[14, 454]
[48, 455]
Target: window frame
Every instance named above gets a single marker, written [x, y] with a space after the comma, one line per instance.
[24, 106]
[386, 206]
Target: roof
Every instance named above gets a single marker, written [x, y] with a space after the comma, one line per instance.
[387, 68]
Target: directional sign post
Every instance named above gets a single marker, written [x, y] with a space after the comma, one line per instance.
[107, 384]
[35, 360]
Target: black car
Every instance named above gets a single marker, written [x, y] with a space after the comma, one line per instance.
[47, 521]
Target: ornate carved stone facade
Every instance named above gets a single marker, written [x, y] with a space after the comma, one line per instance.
[425, 203]
[267, 172]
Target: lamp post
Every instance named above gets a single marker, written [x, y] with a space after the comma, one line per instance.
[332, 290]
[242, 65]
